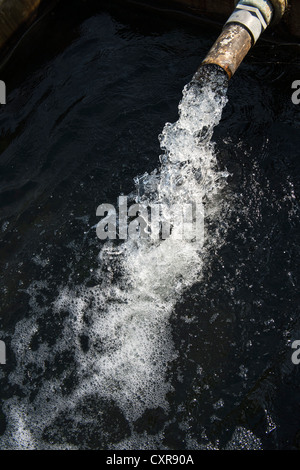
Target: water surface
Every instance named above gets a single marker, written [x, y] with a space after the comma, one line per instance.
[82, 121]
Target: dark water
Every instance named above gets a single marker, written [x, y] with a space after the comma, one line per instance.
[82, 119]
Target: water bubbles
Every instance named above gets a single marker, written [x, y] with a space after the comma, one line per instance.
[115, 341]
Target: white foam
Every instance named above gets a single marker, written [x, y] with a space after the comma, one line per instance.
[126, 322]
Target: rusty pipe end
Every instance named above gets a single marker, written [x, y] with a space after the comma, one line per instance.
[229, 50]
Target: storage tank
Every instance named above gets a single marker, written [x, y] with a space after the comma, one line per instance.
[16, 15]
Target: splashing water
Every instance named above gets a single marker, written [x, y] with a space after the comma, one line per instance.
[113, 341]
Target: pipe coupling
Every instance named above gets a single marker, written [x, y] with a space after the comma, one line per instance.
[254, 15]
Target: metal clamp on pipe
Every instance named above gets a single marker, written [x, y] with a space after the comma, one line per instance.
[254, 15]
[248, 21]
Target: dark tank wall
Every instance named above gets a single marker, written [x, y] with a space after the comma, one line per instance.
[16, 15]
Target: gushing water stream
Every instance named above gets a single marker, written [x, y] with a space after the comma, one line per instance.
[113, 342]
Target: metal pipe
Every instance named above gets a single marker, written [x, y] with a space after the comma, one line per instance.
[280, 7]
[230, 49]
[244, 27]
